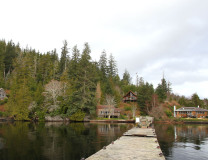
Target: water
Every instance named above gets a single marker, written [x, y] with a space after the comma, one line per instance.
[52, 141]
[183, 142]
[72, 141]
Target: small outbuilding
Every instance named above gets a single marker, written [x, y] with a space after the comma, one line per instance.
[191, 112]
[2, 94]
[130, 97]
[104, 111]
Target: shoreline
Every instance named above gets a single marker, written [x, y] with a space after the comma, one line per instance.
[112, 121]
[7, 119]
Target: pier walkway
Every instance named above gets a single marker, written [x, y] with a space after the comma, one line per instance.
[135, 144]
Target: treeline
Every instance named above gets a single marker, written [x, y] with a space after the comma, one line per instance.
[69, 86]
[42, 84]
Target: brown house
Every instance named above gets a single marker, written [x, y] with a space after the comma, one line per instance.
[105, 110]
[192, 112]
[130, 97]
[2, 94]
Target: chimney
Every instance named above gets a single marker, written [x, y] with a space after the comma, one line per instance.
[174, 111]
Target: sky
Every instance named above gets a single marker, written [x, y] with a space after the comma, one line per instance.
[147, 37]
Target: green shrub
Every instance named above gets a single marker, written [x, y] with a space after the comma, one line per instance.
[40, 115]
[55, 113]
[168, 113]
[78, 116]
[1, 114]
[122, 116]
[3, 101]
[127, 108]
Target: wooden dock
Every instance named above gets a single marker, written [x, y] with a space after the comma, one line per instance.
[135, 144]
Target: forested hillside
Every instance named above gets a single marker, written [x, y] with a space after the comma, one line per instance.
[40, 84]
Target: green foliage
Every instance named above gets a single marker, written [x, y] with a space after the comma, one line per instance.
[55, 113]
[41, 115]
[126, 78]
[168, 113]
[123, 116]
[163, 90]
[144, 97]
[78, 116]
[127, 108]
[3, 101]
[63, 61]
[2, 114]
[196, 100]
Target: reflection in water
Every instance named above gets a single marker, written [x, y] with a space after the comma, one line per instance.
[50, 141]
[183, 141]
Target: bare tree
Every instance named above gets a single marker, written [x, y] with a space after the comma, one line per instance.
[155, 101]
[157, 112]
[54, 89]
[133, 109]
[110, 102]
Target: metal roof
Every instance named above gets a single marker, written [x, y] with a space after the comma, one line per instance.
[191, 109]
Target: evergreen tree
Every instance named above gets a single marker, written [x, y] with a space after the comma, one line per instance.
[126, 78]
[74, 64]
[11, 53]
[112, 67]
[2, 65]
[63, 61]
[162, 90]
[103, 66]
[144, 97]
[196, 100]
[83, 97]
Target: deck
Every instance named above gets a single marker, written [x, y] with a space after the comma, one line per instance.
[135, 144]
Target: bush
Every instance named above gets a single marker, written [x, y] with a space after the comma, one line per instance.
[78, 116]
[40, 115]
[1, 114]
[122, 116]
[127, 108]
[168, 113]
[3, 101]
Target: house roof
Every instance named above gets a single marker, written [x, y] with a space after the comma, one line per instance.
[131, 92]
[106, 107]
[102, 107]
[191, 109]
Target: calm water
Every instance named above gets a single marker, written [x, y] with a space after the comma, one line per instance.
[183, 142]
[48, 141]
[52, 141]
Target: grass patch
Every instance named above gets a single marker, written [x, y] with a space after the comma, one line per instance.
[195, 119]
[127, 108]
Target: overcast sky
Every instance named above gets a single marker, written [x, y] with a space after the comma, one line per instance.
[147, 37]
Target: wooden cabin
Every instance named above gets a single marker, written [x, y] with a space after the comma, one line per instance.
[130, 97]
[192, 112]
[104, 111]
[2, 94]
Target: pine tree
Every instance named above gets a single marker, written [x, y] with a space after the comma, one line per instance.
[196, 100]
[84, 85]
[11, 53]
[144, 97]
[112, 67]
[126, 78]
[63, 61]
[103, 66]
[2, 65]
[162, 90]
[74, 64]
